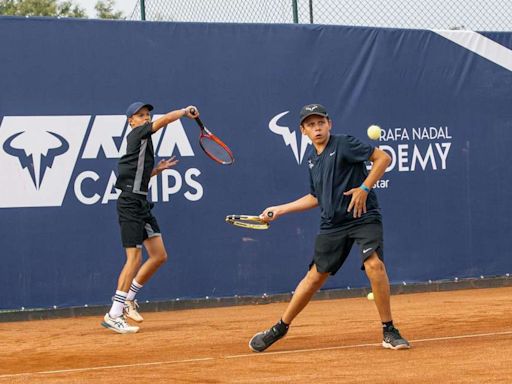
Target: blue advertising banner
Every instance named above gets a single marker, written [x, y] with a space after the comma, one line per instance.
[443, 99]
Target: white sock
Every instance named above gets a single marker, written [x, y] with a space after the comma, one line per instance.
[134, 288]
[118, 304]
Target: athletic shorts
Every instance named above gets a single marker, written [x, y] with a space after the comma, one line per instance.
[135, 218]
[332, 249]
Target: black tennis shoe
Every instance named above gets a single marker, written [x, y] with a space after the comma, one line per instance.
[393, 339]
[265, 339]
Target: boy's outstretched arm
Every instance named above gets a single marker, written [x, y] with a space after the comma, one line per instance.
[303, 204]
[169, 117]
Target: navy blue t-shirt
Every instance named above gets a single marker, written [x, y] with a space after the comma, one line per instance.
[339, 168]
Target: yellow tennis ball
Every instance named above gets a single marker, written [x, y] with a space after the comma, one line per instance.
[370, 296]
[374, 132]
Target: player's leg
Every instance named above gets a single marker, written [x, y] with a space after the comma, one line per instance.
[370, 239]
[130, 215]
[130, 268]
[114, 319]
[331, 250]
[308, 286]
[376, 272]
[157, 256]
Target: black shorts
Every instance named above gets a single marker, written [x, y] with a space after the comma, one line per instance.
[332, 249]
[135, 218]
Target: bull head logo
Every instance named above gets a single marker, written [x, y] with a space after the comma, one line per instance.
[39, 160]
[290, 137]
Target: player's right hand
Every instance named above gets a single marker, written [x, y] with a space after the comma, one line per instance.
[191, 112]
[269, 214]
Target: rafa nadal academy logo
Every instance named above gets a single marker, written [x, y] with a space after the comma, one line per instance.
[38, 158]
[47, 160]
[290, 137]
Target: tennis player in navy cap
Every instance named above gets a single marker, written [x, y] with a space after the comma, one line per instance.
[341, 186]
[138, 225]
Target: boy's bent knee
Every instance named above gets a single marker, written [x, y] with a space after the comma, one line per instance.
[374, 264]
[164, 258]
[160, 257]
[316, 279]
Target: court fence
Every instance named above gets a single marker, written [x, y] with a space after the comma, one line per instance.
[482, 15]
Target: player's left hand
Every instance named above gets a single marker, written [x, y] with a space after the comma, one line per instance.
[357, 202]
[166, 164]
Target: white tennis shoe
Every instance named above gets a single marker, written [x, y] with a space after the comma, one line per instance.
[131, 312]
[118, 324]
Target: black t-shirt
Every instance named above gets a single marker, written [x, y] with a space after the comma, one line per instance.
[339, 168]
[136, 165]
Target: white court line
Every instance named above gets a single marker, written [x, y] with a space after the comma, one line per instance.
[248, 355]
[367, 345]
[304, 350]
[108, 367]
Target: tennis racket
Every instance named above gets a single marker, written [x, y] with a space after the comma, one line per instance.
[214, 148]
[248, 221]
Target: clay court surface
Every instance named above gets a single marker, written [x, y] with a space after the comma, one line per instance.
[458, 337]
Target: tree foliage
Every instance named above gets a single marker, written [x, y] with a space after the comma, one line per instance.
[105, 10]
[56, 8]
[50, 8]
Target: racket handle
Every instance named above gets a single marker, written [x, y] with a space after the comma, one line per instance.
[197, 119]
[270, 214]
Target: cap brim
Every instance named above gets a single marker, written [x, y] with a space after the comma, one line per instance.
[312, 114]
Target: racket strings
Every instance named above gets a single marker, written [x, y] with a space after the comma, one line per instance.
[251, 222]
[216, 150]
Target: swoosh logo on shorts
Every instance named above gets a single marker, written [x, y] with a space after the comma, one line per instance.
[366, 250]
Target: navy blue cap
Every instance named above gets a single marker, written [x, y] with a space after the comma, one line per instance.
[312, 109]
[136, 107]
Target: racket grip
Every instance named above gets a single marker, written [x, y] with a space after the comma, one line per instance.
[197, 119]
[270, 214]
